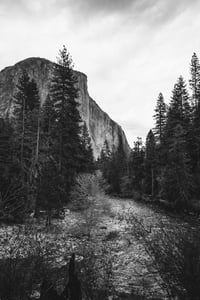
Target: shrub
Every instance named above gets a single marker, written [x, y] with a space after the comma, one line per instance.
[87, 187]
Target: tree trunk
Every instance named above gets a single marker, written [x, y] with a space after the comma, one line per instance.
[38, 139]
[48, 219]
[152, 182]
[22, 140]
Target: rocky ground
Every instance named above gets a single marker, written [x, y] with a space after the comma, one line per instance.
[106, 225]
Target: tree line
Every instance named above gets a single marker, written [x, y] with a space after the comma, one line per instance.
[42, 148]
[167, 166]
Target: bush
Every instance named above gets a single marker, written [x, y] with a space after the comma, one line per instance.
[87, 187]
[12, 203]
[137, 195]
[23, 263]
[126, 187]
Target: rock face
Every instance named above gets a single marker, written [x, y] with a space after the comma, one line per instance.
[100, 126]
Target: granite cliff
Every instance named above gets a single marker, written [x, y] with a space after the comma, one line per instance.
[100, 126]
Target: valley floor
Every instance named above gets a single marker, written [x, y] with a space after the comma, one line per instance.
[107, 225]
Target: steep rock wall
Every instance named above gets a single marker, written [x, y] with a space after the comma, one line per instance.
[100, 126]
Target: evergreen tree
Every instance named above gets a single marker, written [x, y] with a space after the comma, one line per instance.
[11, 191]
[179, 110]
[195, 81]
[150, 164]
[26, 114]
[48, 124]
[183, 101]
[160, 118]
[179, 113]
[105, 152]
[194, 149]
[5, 145]
[104, 160]
[195, 128]
[196, 137]
[177, 181]
[87, 161]
[114, 165]
[66, 127]
[46, 161]
[26, 117]
[50, 189]
[66, 145]
[136, 165]
[5, 154]
[118, 168]
[177, 143]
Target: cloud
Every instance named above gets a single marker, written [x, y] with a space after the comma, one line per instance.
[130, 49]
[106, 6]
[33, 8]
[148, 11]
[152, 12]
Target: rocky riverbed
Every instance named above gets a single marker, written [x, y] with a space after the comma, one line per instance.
[106, 228]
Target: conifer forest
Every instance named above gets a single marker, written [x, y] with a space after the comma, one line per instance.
[123, 224]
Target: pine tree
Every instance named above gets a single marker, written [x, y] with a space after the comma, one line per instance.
[87, 158]
[195, 100]
[105, 153]
[160, 118]
[50, 189]
[179, 110]
[48, 130]
[46, 161]
[177, 182]
[26, 117]
[136, 165]
[26, 114]
[118, 167]
[12, 194]
[114, 165]
[103, 162]
[5, 154]
[194, 148]
[196, 138]
[179, 113]
[150, 164]
[195, 81]
[63, 95]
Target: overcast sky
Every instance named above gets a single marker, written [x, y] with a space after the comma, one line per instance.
[130, 49]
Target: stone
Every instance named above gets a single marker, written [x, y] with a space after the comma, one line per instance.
[100, 126]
